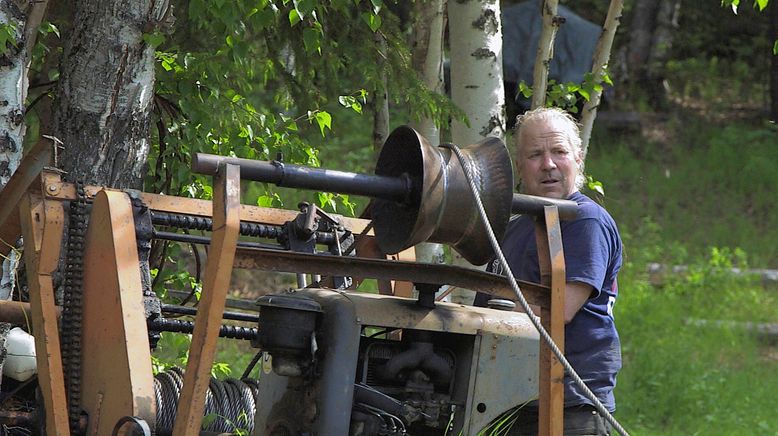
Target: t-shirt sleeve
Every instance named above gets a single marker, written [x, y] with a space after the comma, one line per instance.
[585, 243]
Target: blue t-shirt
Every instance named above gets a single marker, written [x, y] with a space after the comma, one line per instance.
[593, 249]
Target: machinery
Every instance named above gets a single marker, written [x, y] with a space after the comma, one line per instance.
[331, 360]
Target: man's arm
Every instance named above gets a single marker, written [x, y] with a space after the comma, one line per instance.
[576, 294]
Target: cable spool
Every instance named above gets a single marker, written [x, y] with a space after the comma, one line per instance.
[231, 403]
[441, 207]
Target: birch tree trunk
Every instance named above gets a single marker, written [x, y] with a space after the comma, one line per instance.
[427, 60]
[601, 57]
[475, 38]
[773, 36]
[24, 17]
[105, 91]
[551, 23]
[381, 99]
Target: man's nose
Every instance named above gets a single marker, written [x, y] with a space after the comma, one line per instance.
[548, 162]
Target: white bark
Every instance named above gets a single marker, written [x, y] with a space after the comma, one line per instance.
[475, 37]
[601, 57]
[548, 13]
[381, 99]
[14, 66]
[427, 58]
[105, 91]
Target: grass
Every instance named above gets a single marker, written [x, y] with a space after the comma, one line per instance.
[704, 199]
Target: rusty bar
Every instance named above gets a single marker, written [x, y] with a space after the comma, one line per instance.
[42, 223]
[466, 278]
[18, 312]
[21, 181]
[548, 236]
[201, 208]
[226, 222]
[116, 362]
[297, 176]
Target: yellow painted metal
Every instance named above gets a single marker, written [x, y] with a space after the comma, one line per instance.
[226, 222]
[41, 224]
[116, 370]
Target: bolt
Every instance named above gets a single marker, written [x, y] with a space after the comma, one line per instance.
[53, 189]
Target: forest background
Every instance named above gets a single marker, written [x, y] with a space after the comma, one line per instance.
[684, 148]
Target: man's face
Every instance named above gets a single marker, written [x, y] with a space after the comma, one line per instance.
[546, 163]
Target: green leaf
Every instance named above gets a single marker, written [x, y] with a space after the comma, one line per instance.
[7, 36]
[775, 48]
[584, 93]
[762, 4]
[312, 40]
[294, 17]
[324, 119]
[155, 39]
[47, 27]
[373, 21]
[209, 419]
[304, 7]
[525, 90]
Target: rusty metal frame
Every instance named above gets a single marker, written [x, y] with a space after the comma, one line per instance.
[117, 377]
[41, 224]
[23, 180]
[226, 222]
[35, 210]
[548, 237]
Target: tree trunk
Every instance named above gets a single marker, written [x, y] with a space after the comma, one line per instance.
[381, 99]
[475, 35]
[551, 23]
[601, 57]
[427, 60]
[641, 33]
[661, 42]
[25, 17]
[105, 91]
[773, 33]
[475, 39]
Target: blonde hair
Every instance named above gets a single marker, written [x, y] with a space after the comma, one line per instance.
[569, 127]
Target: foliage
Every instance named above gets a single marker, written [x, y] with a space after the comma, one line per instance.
[254, 80]
[703, 184]
[690, 367]
[8, 33]
[569, 95]
[734, 4]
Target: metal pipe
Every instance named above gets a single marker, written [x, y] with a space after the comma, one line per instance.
[186, 310]
[297, 176]
[533, 205]
[205, 240]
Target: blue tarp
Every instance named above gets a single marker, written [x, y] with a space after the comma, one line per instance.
[573, 48]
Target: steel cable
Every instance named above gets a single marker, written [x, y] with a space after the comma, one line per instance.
[535, 320]
[231, 402]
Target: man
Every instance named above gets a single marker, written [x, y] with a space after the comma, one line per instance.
[549, 163]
